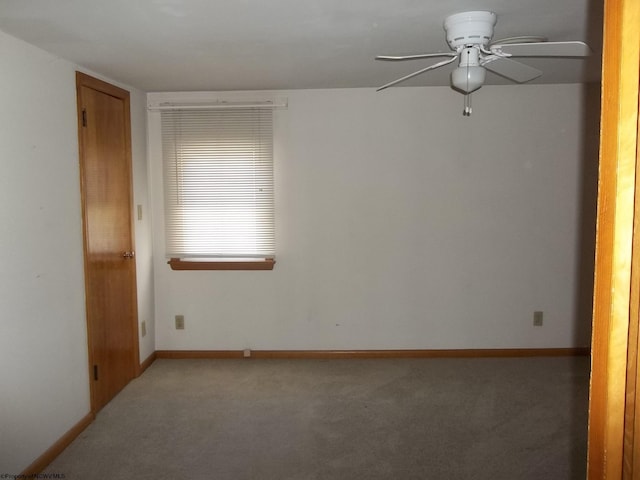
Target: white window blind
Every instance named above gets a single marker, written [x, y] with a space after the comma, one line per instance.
[218, 181]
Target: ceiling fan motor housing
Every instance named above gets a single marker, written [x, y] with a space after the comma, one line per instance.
[469, 28]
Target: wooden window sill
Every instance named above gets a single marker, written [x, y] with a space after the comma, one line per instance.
[179, 264]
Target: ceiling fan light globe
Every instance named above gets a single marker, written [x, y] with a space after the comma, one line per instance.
[468, 79]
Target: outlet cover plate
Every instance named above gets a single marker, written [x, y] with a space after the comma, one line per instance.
[537, 319]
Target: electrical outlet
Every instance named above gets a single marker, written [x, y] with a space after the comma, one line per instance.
[537, 319]
[143, 328]
[179, 322]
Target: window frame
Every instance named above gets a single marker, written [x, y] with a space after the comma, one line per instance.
[222, 263]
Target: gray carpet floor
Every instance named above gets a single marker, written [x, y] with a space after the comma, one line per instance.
[490, 418]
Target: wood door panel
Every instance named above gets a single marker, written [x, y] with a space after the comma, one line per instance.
[110, 280]
[105, 174]
[110, 317]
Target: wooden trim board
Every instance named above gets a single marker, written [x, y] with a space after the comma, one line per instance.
[63, 442]
[179, 264]
[613, 448]
[347, 354]
[183, 354]
[147, 363]
[40, 463]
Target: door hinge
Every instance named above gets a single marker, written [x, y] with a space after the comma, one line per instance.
[95, 372]
[84, 117]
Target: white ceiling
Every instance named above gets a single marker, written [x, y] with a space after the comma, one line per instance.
[183, 45]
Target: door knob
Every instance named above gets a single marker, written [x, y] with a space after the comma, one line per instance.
[129, 254]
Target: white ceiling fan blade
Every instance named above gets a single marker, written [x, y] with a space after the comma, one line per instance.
[543, 49]
[411, 75]
[516, 71]
[520, 39]
[395, 58]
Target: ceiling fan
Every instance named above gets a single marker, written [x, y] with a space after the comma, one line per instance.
[469, 35]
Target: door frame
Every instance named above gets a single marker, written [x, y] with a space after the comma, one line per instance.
[84, 80]
[613, 447]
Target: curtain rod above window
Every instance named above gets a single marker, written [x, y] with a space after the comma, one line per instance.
[216, 105]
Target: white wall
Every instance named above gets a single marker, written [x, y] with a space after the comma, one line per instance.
[143, 231]
[43, 343]
[402, 224]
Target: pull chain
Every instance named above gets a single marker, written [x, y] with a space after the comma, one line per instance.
[467, 97]
[467, 105]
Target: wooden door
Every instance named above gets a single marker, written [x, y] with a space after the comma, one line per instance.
[110, 276]
[614, 414]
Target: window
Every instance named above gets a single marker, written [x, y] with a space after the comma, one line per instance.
[218, 188]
